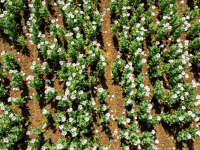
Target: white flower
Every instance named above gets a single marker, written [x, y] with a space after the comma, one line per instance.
[73, 97]
[44, 126]
[157, 55]
[84, 142]
[124, 122]
[6, 140]
[183, 107]
[80, 107]
[33, 141]
[58, 97]
[158, 118]
[44, 111]
[144, 60]
[100, 90]
[197, 119]
[70, 109]
[28, 133]
[64, 133]
[150, 117]
[81, 92]
[63, 119]
[128, 120]
[181, 118]
[59, 146]
[84, 102]
[86, 119]
[189, 136]
[73, 129]
[153, 7]
[156, 141]
[32, 67]
[189, 112]
[174, 96]
[143, 19]
[198, 133]
[74, 134]
[153, 132]
[70, 119]
[129, 101]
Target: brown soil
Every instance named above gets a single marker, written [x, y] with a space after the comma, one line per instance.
[32, 111]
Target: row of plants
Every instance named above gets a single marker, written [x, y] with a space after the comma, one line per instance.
[132, 30]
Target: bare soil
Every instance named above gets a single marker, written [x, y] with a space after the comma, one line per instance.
[32, 111]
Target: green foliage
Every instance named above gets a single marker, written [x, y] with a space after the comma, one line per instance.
[102, 94]
[92, 80]
[114, 28]
[132, 21]
[35, 143]
[2, 91]
[116, 67]
[44, 12]
[192, 14]
[36, 83]
[143, 115]
[148, 17]
[18, 101]
[112, 5]
[194, 29]
[188, 134]
[146, 140]
[46, 112]
[179, 115]
[195, 43]
[45, 68]
[2, 74]
[101, 67]
[196, 58]
[36, 131]
[158, 92]
[17, 79]
[21, 41]
[49, 95]
[161, 33]
[138, 12]
[9, 61]
[104, 119]
[177, 33]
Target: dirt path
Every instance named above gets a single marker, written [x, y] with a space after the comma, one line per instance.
[115, 100]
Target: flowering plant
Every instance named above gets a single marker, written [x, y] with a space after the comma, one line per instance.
[158, 90]
[143, 111]
[46, 112]
[105, 118]
[188, 134]
[92, 80]
[9, 61]
[116, 67]
[45, 68]
[17, 101]
[102, 94]
[2, 74]
[17, 79]
[35, 68]
[50, 93]
[2, 91]
[146, 140]
[35, 83]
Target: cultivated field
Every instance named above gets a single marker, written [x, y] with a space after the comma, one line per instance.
[99, 74]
